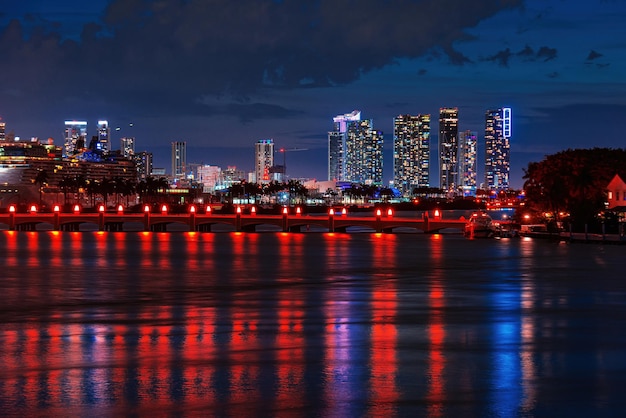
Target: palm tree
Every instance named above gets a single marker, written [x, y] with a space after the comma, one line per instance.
[41, 179]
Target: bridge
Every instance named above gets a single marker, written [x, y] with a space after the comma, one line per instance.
[240, 222]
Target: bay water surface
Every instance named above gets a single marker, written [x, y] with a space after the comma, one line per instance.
[309, 324]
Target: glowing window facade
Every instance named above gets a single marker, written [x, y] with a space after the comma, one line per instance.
[411, 152]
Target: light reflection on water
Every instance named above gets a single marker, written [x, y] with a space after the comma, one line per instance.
[308, 324]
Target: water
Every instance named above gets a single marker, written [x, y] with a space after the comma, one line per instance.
[339, 325]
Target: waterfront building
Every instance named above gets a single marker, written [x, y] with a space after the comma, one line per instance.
[411, 152]
[143, 161]
[179, 159]
[448, 148]
[497, 148]
[208, 176]
[75, 137]
[468, 142]
[104, 137]
[20, 163]
[337, 145]
[364, 153]
[2, 130]
[263, 160]
[127, 145]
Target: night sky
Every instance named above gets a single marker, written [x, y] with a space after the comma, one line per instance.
[221, 74]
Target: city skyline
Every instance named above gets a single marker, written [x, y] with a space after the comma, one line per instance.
[272, 70]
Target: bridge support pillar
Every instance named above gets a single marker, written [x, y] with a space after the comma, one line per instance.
[101, 221]
[238, 220]
[331, 222]
[12, 221]
[192, 221]
[146, 221]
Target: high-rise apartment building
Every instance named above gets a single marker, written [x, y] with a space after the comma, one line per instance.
[75, 137]
[337, 145]
[497, 148]
[127, 145]
[2, 130]
[411, 152]
[209, 176]
[104, 136]
[179, 159]
[143, 162]
[468, 142]
[263, 160]
[448, 148]
[364, 153]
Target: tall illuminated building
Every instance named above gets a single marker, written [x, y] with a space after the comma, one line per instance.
[2, 130]
[364, 153]
[411, 152]
[497, 148]
[127, 145]
[337, 145]
[104, 136]
[143, 162]
[179, 159]
[448, 148]
[468, 142]
[75, 137]
[263, 160]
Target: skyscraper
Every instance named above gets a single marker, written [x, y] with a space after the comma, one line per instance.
[2, 130]
[364, 153]
[468, 141]
[497, 148]
[179, 159]
[411, 152]
[143, 162]
[75, 137]
[337, 145]
[448, 147]
[104, 135]
[127, 146]
[263, 160]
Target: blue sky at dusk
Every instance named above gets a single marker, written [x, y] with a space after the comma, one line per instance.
[221, 74]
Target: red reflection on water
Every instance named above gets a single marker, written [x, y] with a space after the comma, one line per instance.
[436, 331]
[290, 341]
[383, 356]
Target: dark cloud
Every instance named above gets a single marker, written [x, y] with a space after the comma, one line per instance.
[553, 74]
[422, 71]
[184, 49]
[503, 57]
[593, 55]
[546, 54]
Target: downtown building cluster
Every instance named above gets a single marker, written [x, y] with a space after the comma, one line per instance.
[355, 152]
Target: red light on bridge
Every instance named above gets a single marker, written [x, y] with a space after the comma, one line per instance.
[76, 209]
[331, 212]
[378, 213]
[285, 211]
[253, 210]
[56, 209]
[390, 212]
[164, 209]
[101, 209]
[12, 208]
[146, 209]
[239, 210]
[208, 210]
[192, 209]
[437, 213]
[120, 209]
[344, 211]
[298, 211]
[33, 209]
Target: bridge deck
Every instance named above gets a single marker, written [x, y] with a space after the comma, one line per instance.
[204, 222]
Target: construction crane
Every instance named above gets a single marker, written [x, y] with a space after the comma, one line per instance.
[285, 151]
